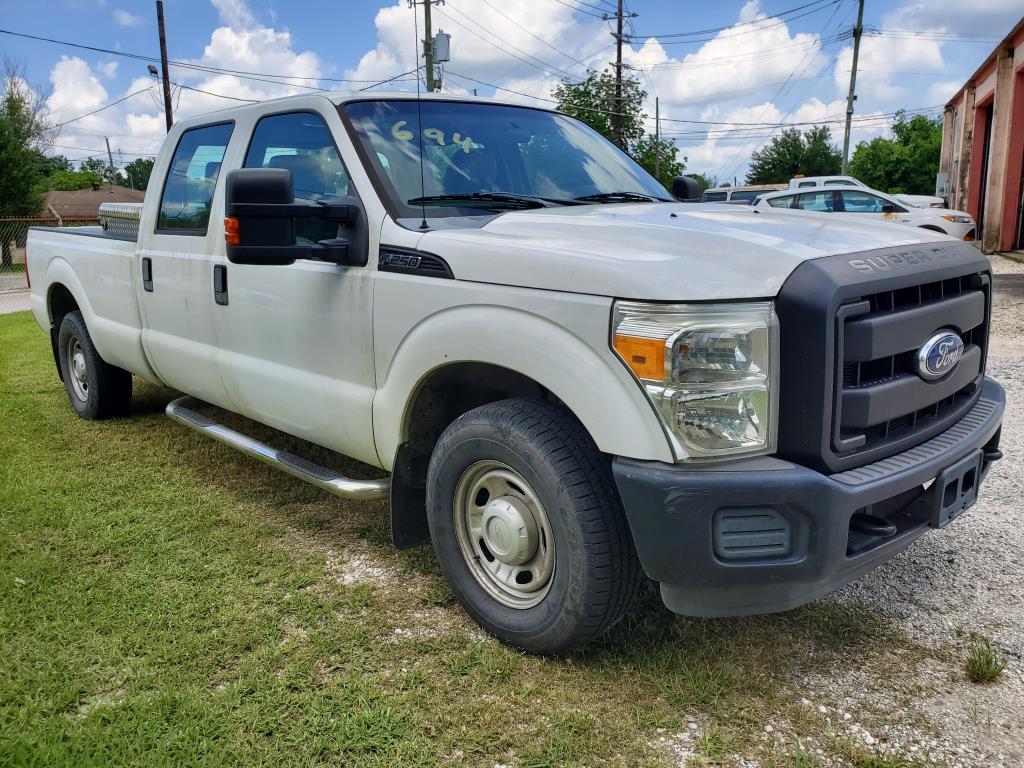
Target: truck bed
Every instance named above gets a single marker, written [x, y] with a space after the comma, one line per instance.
[99, 270]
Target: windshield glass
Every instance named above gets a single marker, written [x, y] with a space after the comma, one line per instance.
[473, 148]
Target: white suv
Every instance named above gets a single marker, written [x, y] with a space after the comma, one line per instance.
[867, 203]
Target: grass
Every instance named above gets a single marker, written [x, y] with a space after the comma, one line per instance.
[166, 601]
[984, 662]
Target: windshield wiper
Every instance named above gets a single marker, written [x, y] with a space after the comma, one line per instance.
[489, 198]
[621, 197]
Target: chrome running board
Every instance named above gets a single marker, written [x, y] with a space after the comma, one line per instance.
[328, 479]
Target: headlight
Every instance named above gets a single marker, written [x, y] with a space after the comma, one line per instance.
[958, 219]
[710, 369]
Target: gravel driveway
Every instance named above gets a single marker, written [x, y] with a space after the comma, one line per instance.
[966, 578]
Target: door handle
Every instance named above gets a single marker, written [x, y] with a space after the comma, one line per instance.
[220, 284]
[147, 274]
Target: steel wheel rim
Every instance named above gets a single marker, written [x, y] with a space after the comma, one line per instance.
[77, 369]
[504, 534]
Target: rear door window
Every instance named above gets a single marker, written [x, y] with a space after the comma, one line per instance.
[192, 179]
[815, 201]
[785, 201]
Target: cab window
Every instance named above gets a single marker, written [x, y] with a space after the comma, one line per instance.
[785, 201]
[746, 195]
[301, 143]
[815, 201]
[713, 197]
[191, 180]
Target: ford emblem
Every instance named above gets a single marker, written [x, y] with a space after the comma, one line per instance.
[939, 355]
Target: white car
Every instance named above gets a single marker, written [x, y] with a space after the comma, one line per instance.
[915, 201]
[864, 203]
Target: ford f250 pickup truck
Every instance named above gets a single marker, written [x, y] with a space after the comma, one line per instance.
[568, 379]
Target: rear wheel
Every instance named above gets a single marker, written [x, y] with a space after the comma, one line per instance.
[96, 389]
[528, 527]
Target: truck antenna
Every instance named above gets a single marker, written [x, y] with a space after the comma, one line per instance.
[419, 116]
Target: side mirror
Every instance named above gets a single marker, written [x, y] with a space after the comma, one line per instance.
[259, 224]
[888, 208]
[685, 188]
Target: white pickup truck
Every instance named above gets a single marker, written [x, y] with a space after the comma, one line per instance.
[568, 379]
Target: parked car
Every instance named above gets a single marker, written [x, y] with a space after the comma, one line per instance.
[567, 380]
[864, 203]
[915, 201]
[739, 195]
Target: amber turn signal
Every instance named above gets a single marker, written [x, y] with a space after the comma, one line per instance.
[645, 357]
[232, 235]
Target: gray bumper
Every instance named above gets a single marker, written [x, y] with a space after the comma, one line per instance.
[765, 535]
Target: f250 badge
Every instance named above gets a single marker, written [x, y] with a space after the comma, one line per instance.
[939, 355]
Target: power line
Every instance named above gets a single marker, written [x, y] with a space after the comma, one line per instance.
[241, 73]
[527, 31]
[541, 64]
[721, 36]
[105, 106]
[713, 30]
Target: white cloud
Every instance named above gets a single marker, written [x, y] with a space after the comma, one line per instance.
[108, 69]
[126, 19]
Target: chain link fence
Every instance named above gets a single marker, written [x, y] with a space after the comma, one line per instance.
[13, 236]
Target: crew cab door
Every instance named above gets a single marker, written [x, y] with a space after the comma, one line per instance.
[296, 340]
[174, 266]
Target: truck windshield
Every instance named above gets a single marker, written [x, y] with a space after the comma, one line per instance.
[490, 158]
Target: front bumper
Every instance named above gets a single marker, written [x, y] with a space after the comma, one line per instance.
[765, 535]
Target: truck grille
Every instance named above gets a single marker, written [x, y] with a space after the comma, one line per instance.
[882, 399]
[851, 332]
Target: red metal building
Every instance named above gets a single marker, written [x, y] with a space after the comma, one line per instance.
[982, 160]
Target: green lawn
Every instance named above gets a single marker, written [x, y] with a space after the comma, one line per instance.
[165, 601]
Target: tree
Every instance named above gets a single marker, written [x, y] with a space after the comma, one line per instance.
[906, 163]
[24, 134]
[138, 172]
[69, 181]
[51, 164]
[93, 165]
[811, 153]
[705, 180]
[592, 101]
[669, 165]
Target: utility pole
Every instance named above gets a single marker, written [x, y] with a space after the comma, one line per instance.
[110, 157]
[428, 45]
[657, 138]
[163, 63]
[617, 114]
[857, 32]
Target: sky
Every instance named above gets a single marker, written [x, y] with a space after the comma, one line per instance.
[727, 73]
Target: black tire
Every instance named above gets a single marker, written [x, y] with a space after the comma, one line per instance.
[596, 573]
[106, 391]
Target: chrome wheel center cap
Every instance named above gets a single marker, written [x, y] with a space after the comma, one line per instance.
[510, 531]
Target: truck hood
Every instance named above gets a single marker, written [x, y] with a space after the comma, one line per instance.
[655, 251]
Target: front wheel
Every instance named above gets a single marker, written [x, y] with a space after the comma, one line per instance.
[96, 389]
[528, 527]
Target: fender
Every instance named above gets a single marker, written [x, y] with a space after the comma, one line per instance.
[593, 385]
[117, 343]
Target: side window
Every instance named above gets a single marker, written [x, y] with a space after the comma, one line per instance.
[713, 197]
[836, 183]
[300, 142]
[815, 201]
[803, 184]
[786, 201]
[862, 202]
[191, 180]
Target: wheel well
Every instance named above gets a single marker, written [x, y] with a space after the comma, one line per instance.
[60, 303]
[444, 395]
